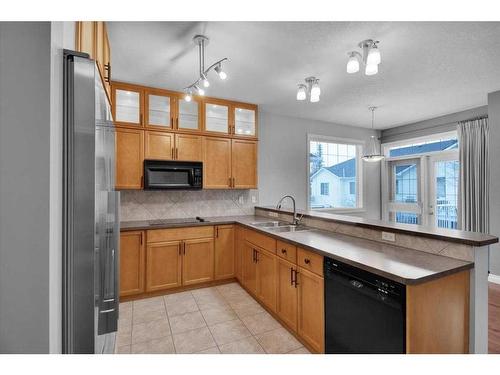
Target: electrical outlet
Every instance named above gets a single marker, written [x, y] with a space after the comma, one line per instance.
[241, 200]
[388, 236]
[273, 214]
[254, 199]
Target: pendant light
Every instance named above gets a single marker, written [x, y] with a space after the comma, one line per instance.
[372, 154]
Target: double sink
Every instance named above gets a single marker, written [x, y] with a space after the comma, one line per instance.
[279, 226]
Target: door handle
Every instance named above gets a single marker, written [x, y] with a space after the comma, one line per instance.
[229, 181]
[291, 276]
[256, 256]
[283, 251]
[180, 248]
[184, 248]
[307, 261]
[216, 232]
[234, 182]
[172, 122]
[176, 153]
[295, 279]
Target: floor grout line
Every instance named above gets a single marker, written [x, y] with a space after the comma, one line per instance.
[213, 338]
[169, 325]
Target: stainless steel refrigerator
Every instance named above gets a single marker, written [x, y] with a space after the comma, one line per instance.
[90, 212]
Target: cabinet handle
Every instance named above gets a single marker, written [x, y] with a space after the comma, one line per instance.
[283, 251]
[107, 68]
[216, 232]
[291, 276]
[172, 122]
[140, 119]
[234, 182]
[184, 247]
[229, 181]
[180, 248]
[177, 123]
[176, 153]
[141, 238]
[256, 256]
[295, 279]
[307, 261]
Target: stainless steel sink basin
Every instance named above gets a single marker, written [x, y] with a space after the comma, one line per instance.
[266, 224]
[288, 228]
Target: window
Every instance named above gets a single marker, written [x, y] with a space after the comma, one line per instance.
[324, 188]
[334, 170]
[423, 175]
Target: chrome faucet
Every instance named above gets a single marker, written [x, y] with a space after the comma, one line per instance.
[296, 219]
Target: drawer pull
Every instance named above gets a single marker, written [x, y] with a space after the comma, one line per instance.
[307, 261]
[283, 251]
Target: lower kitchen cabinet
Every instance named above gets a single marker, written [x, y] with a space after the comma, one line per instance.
[266, 278]
[163, 268]
[239, 242]
[224, 252]
[310, 324]
[132, 263]
[129, 158]
[286, 293]
[198, 261]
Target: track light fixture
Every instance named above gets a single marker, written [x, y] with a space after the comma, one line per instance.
[310, 88]
[202, 41]
[370, 58]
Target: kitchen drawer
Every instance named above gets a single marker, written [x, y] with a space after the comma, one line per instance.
[176, 234]
[261, 240]
[286, 251]
[310, 261]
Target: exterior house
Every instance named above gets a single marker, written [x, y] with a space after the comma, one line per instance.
[334, 186]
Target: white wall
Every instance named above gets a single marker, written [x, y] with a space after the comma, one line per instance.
[494, 124]
[30, 185]
[283, 159]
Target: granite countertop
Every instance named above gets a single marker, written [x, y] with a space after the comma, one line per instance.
[450, 235]
[396, 263]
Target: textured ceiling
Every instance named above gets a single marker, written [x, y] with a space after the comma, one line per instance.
[428, 69]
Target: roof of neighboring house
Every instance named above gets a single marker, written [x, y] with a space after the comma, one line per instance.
[345, 169]
[420, 149]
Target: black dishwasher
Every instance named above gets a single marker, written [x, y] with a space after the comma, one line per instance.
[364, 313]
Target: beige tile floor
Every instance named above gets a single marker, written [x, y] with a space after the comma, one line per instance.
[221, 319]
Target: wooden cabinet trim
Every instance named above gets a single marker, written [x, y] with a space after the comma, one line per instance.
[180, 234]
[127, 87]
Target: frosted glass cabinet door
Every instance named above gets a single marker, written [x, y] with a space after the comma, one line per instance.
[128, 106]
[244, 122]
[159, 110]
[217, 118]
[188, 115]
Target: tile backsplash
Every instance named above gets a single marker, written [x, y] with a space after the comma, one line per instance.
[151, 205]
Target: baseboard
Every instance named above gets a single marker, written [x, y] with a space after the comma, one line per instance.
[494, 278]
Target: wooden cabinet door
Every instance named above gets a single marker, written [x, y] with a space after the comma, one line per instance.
[249, 268]
[128, 105]
[245, 120]
[198, 261]
[107, 63]
[216, 116]
[85, 37]
[132, 257]
[159, 109]
[163, 265]
[239, 243]
[129, 158]
[159, 145]
[310, 325]
[224, 252]
[188, 147]
[244, 164]
[286, 293]
[266, 278]
[216, 163]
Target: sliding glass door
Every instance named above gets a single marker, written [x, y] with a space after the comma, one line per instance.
[444, 205]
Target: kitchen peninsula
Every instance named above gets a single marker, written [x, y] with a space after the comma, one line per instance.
[444, 272]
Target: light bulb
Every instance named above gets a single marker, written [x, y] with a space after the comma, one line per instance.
[301, 92]
[314, 98]
[188, 97]
[200, 90]
[371, 69]
[373, 56]
[204, 81]
[353, 64]
[315, 90]
[222, 74]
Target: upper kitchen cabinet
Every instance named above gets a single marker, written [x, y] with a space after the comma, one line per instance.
[188, 117]
[245, 120]
[129, 146]
[244, 164]
[217, 163]
[160, 109]
[217, 116]
[127, 105]
[91, 37]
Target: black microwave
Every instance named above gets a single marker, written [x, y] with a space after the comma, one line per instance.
[171, 174]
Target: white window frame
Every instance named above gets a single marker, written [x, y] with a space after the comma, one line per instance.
[359, 171]
[425, 160]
